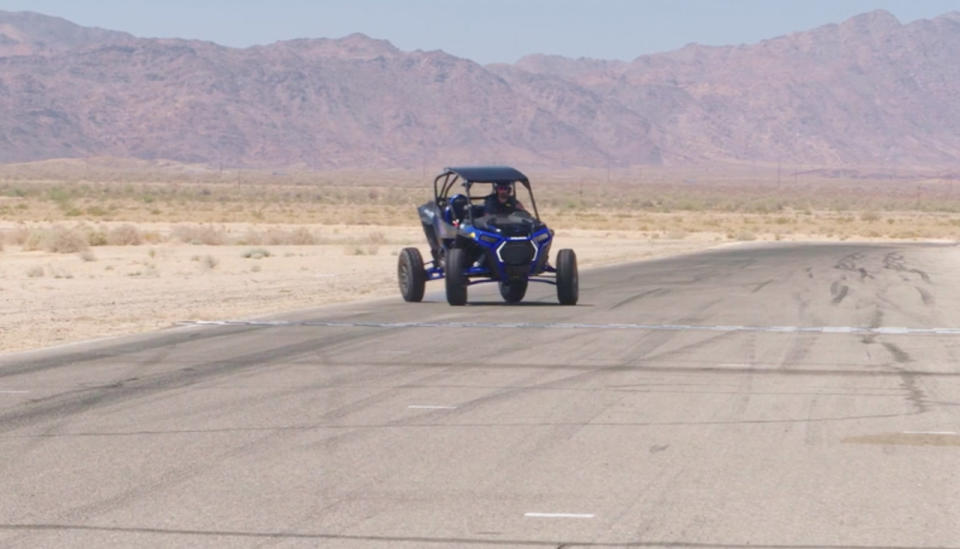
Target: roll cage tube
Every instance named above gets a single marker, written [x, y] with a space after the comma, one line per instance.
[441, 191]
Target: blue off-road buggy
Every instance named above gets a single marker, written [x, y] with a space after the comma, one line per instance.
[470, 245]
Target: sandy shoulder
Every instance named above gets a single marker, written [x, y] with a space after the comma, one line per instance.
[48, 298]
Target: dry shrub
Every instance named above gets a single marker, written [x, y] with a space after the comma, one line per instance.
[199, 234]
[302, 237]
[59, 272]
[153, 237]
[256, 253]
[361, 250]
[55, 239]
[18, 236]
[35, 272]
[87, 256]
[33, 239]
[251, 237]
[64, 241]
[299, 237]
[125, 235]
[210, 262]
[377, 237]
[275, 237]
[97, 238]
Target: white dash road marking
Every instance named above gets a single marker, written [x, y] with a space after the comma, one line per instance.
[12, 392]
[929, 432]
[430, 407]
[898, 330]
[560, 515]
[838, 329]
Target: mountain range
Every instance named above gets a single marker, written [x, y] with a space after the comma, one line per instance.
[868, 91]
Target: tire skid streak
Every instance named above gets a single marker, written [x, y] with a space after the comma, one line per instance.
[839, 291]
[184, 473]
[692, 346]
[654, 292]
[355, 429]
[357, 374]
[772, 369]
[895, 261]
[78, 401]
[266, 443]
[857, 330]
[19, 365]
[761, 286]
[346, 410]
[438, 540]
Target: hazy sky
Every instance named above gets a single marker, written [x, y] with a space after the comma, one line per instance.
[483, 30]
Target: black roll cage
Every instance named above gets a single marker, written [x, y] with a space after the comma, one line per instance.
[494, 175]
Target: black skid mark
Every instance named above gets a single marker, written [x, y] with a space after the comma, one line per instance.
[838, 291]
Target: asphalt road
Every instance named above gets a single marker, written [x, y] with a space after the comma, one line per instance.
[781, 396]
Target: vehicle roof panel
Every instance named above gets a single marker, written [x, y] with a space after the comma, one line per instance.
[489, 174]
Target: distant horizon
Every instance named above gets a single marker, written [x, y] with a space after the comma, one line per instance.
[492, 31]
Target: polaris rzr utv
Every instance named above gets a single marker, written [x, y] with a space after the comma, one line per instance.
[471, 245]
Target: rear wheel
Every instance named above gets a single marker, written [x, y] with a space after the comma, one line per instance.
[455, 278]
[411, 275]
[568, 280]
[514, 290]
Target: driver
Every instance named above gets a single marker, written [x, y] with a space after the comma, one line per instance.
[502, 200]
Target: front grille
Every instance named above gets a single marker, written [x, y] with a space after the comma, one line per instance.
[517, 253]
[516, 271]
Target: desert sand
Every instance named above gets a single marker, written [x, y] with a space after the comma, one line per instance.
[55, 298]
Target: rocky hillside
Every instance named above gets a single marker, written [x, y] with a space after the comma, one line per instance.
[869, 91]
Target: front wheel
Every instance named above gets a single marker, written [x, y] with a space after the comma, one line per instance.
[514, 290]
[411, 275]
[568, 280]
[456, 279]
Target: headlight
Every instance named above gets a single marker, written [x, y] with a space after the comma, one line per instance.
[489, 239]
[541, 237]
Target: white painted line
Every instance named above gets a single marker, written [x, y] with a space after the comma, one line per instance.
[430, 407]
[12, 392]
[727, 328]
[929, 432]
[894, 330]
[560, 515]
